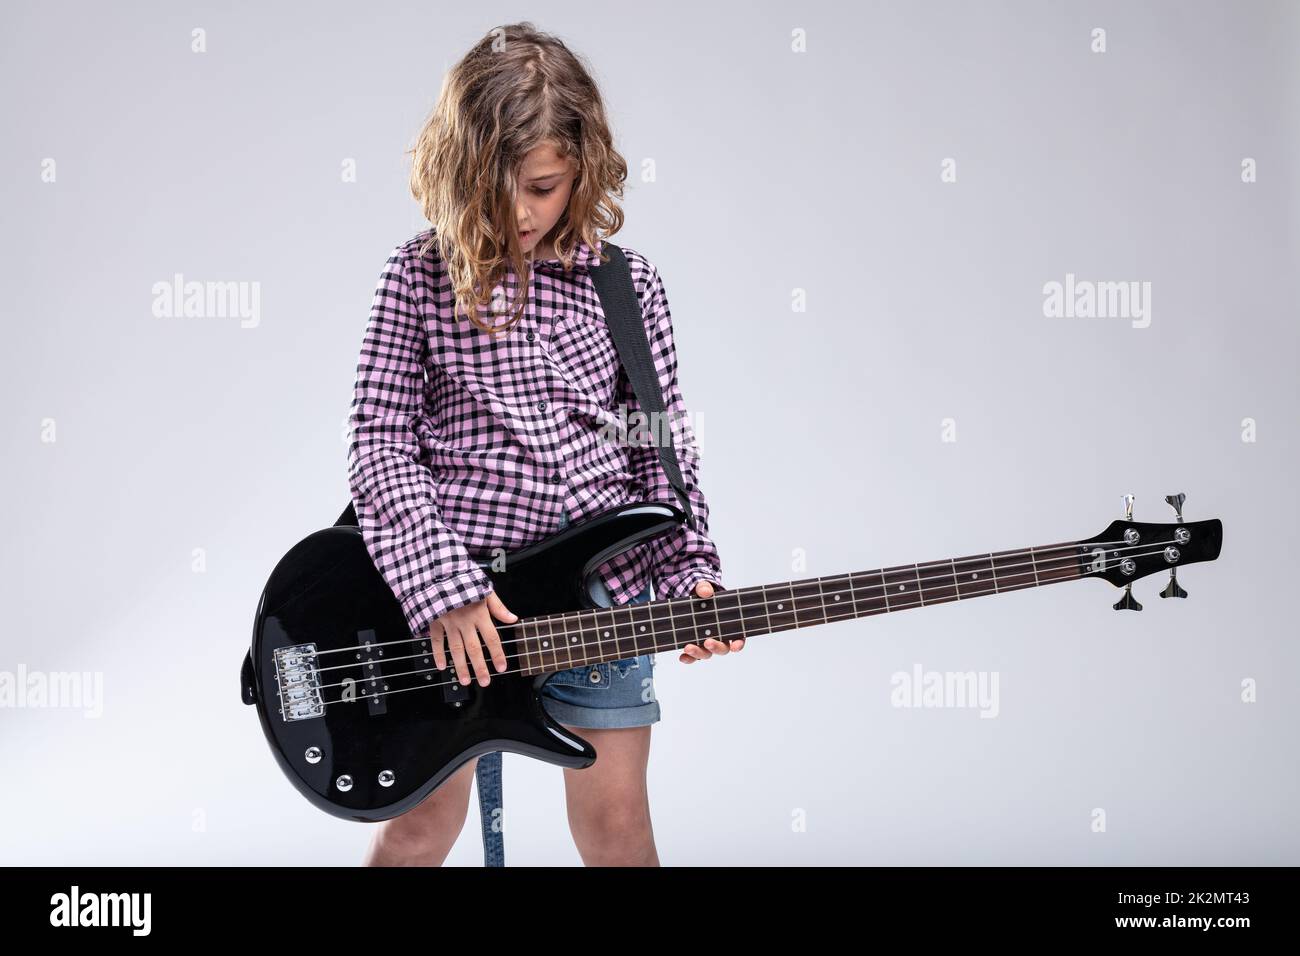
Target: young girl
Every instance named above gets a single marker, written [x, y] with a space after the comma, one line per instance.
[482, 409]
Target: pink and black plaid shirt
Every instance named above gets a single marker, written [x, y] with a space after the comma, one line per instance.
[462, 443]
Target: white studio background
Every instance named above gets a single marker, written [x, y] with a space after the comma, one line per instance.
[856, 209]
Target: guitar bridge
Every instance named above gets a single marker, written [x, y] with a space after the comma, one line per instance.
[298, 682]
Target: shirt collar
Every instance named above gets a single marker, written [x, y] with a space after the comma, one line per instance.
[584, 258]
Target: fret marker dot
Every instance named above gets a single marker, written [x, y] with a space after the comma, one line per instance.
[544, 643]
[607, 633]
[707, 632]
[837, 597]
[643, 627]
[975, 575]
[574, 639]
[780, 607]
[902, 587]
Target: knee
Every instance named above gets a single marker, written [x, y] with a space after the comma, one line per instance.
[424, 835]
[614, 829]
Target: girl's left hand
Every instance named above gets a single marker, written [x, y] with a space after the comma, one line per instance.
[693, 652]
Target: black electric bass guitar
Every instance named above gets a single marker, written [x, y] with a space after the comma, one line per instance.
[366, 727]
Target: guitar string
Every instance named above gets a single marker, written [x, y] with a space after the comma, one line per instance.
[430, 685]
[856, 591]
[849, 616]
[563, 618]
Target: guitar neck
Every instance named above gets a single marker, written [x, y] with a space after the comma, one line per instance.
[577, 638]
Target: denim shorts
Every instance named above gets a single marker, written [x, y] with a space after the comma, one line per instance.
[606, 695]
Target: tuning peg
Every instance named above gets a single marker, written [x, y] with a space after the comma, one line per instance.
[1172, 589]
[1128, 602]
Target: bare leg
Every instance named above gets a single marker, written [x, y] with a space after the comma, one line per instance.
[425, 834]
[608, 802]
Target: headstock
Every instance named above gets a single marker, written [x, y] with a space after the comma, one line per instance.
[1129, 550]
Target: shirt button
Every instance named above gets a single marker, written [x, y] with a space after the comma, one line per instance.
[555, 478]
[530, 336]
[541, 406]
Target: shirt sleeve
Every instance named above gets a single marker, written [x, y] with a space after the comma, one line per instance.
[423, 561]
[687, 556]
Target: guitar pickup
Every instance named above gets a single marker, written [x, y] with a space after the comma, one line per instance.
[371, 685]
[453, 691]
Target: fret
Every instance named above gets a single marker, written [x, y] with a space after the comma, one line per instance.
[574, 640]
[546, 656]
[532, 661]
[869, 595]
[938, 582]
[535, 647]
[639, 621]
[780, 609]
[691, 629]
[706, 619]
[662, 625]
[731, 616]
[753, 606]
[837, 597]
[558, 648]
[622, 638]
[658, 640]
[1057, 562]
[975, 574]
[602, 645]
[900, 587]
[1012, 570]
[767, 608]
[565, 639]
[806, 596]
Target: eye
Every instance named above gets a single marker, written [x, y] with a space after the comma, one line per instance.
[544, 192]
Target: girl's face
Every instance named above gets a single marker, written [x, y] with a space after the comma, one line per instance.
[542, 191]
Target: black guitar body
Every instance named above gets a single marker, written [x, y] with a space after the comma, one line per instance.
[370, 758]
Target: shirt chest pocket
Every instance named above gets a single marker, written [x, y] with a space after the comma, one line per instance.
[583, 350]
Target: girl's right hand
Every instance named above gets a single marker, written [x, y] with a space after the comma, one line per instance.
[461, 628]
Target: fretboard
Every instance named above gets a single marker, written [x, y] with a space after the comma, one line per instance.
[559, 641]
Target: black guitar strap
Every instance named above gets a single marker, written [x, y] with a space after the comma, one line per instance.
[624, 318]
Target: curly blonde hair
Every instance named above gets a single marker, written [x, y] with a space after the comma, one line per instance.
[515, 89]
